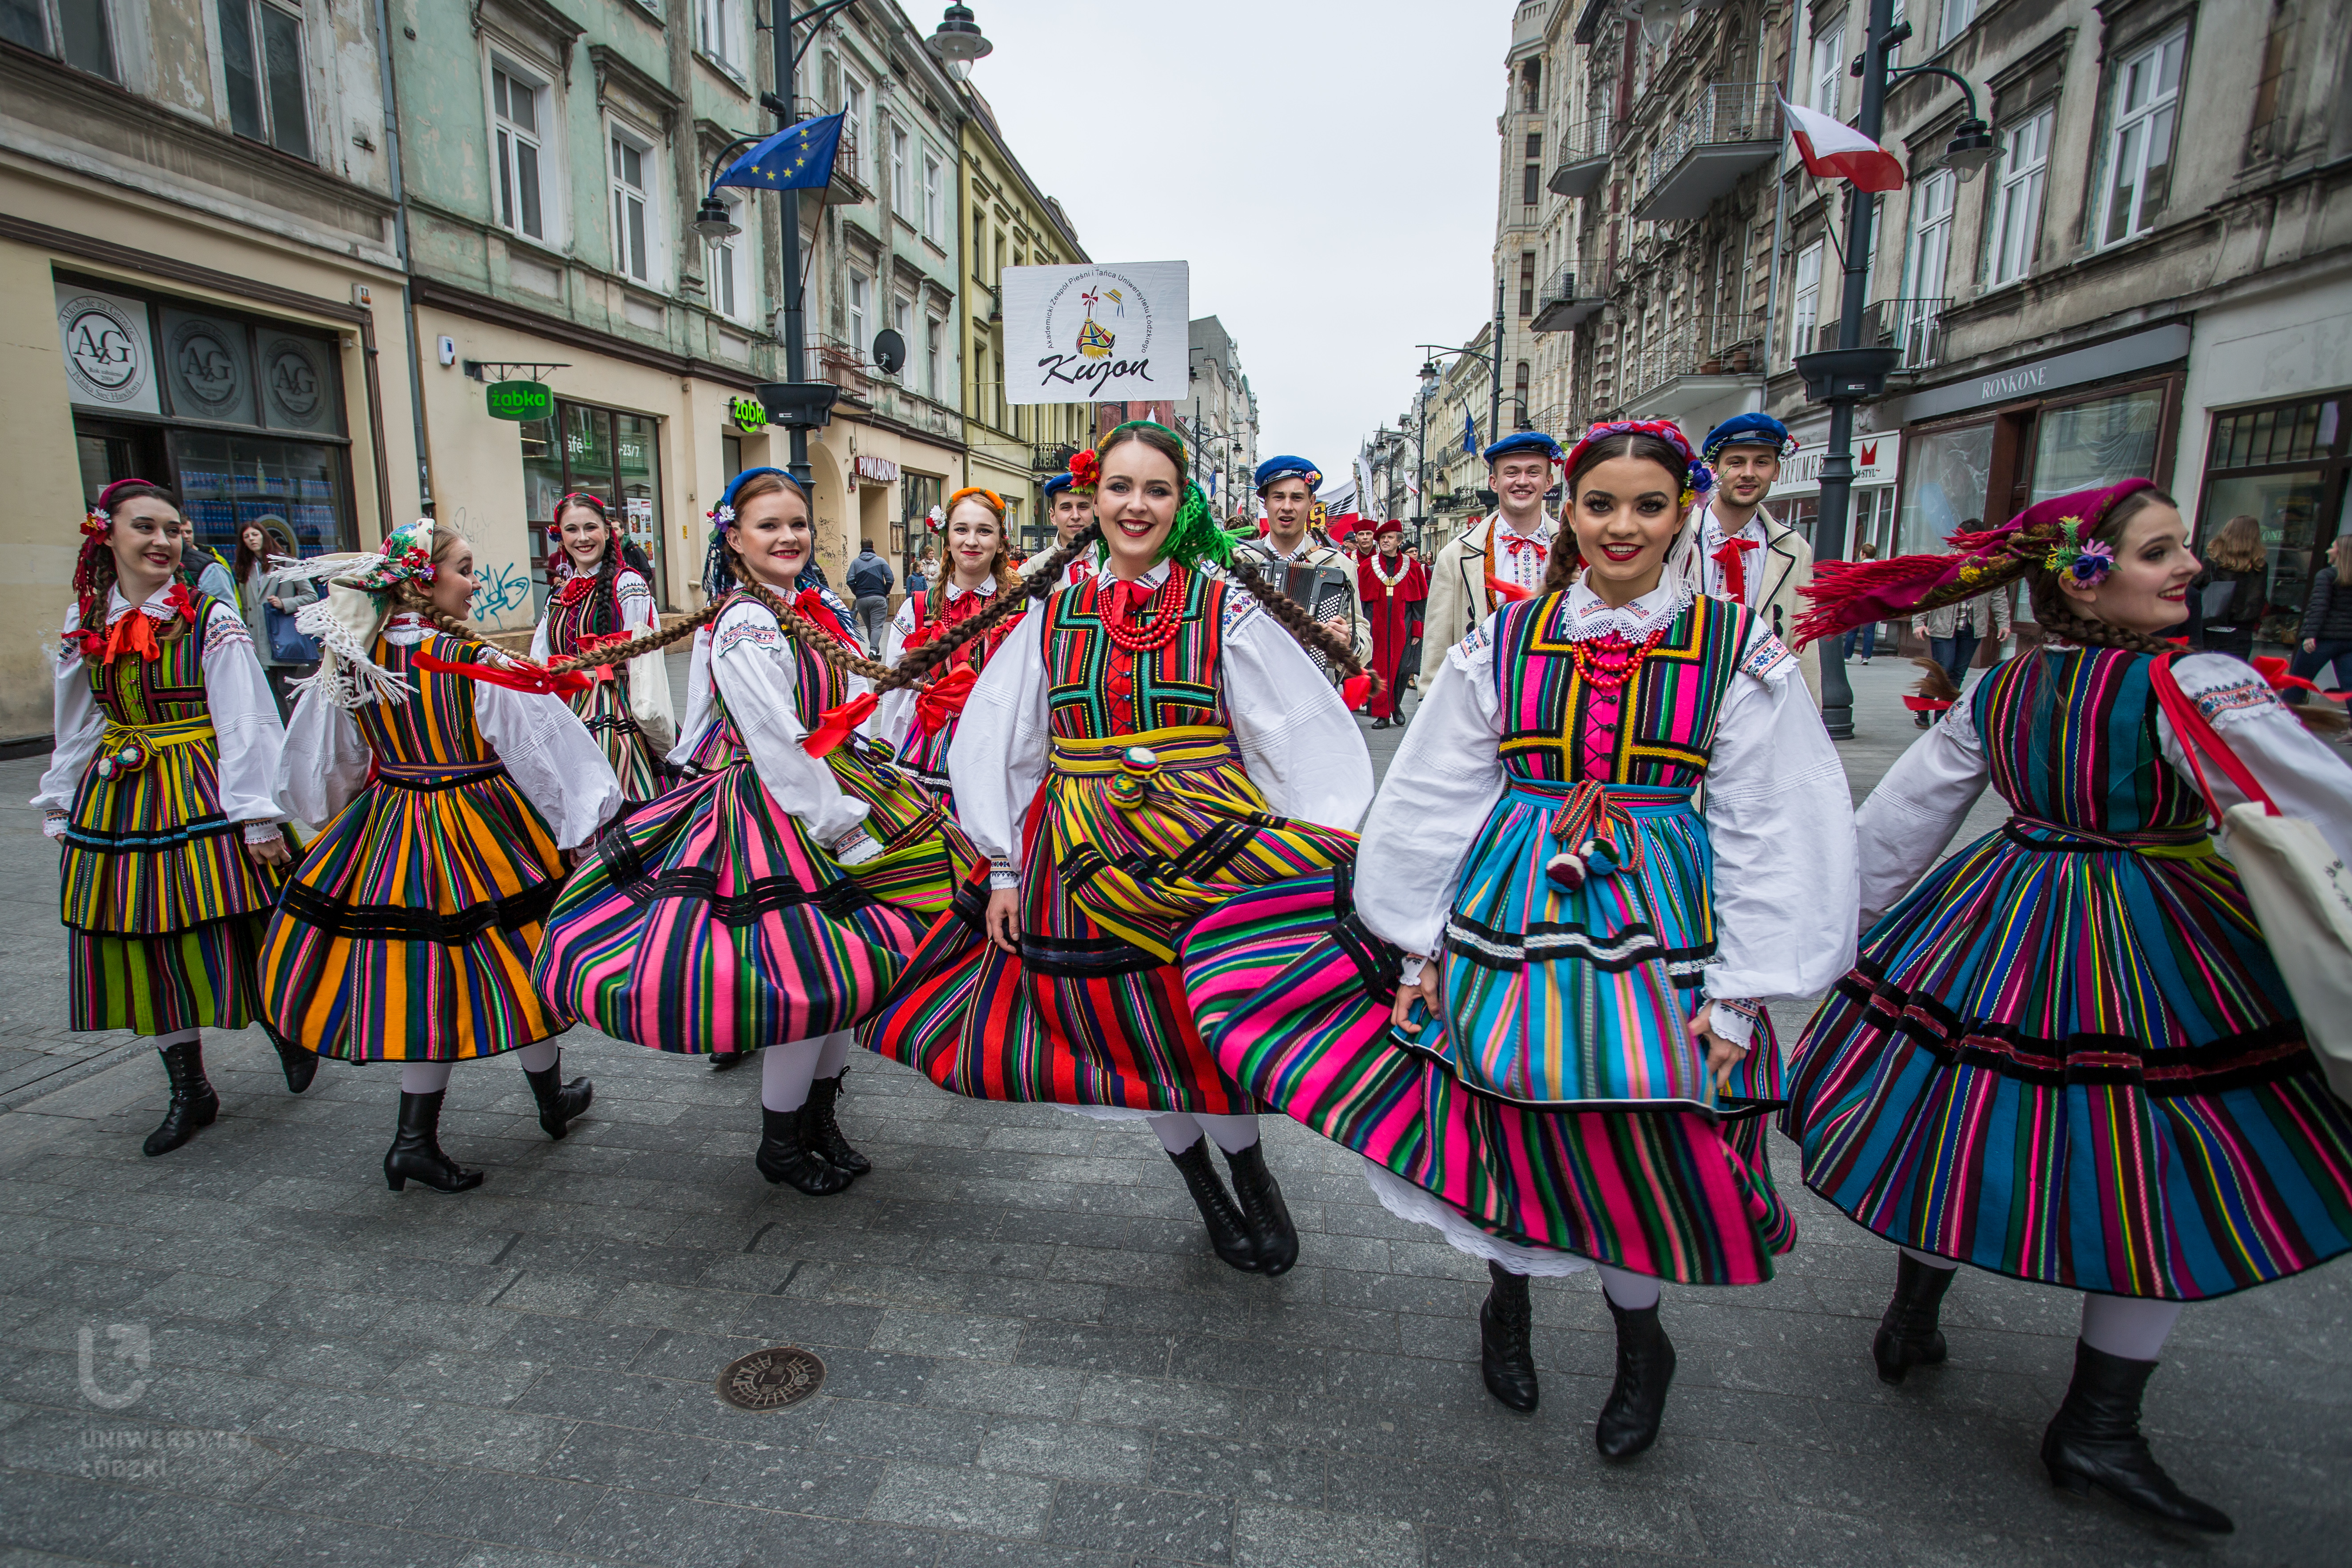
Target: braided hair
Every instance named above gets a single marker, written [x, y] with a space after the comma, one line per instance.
[604, 608]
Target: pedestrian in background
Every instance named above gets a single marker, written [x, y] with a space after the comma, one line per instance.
[1867, 633]
[262, 588]
[1953, 631]
[2227, 600]
[2327, 617]
[869, 578]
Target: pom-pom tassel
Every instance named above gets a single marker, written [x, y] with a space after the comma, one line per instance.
[1566, 871]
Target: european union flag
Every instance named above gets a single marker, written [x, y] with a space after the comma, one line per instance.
[1469, 434]
[797, 158]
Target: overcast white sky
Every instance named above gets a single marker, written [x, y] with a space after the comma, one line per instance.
[1327, 167]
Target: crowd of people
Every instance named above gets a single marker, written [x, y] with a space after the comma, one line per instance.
[1101, 830]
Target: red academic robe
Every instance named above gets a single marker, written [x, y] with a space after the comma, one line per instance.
[1394, 610]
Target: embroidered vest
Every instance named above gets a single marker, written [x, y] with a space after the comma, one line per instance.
[1097, 690]
[435, 727]
[135, 690]
[2071, 738]
[1658, 730]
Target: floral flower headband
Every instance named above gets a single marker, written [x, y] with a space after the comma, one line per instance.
[407, 557]
[972, 492]
[1698, 479]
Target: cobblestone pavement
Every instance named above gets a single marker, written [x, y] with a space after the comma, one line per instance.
[250, 1352]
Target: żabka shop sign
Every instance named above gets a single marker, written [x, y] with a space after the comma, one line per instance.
[520, 400]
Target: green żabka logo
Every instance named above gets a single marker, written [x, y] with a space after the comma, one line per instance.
[520, 400]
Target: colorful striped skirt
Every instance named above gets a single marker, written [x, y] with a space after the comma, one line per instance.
[2070, 1058]
[408, 932]
[710, 920]
[1596, 987]
[604, 709]
[1121, 860]
[200, 977]
[925, 856]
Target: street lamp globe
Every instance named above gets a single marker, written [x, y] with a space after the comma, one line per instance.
[713, 221]
[1969, 150]
[957, 38]
[1428, 375]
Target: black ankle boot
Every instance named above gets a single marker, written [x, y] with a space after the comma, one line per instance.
[299, 1064]
[1229, 1233]
[1505, 1359]
[1646, 1366]
[559, 1102]
[784, 1158]
[415, 1149]
[1264, 1211]
[1908, 1335]
[2095, 1441]
[821, 1133]
[193, 1103]
[722, 1060]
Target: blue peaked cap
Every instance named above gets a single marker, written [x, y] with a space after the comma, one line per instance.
[1525, 441]
[1287, 467]
[1747, 430]
[1059, 483]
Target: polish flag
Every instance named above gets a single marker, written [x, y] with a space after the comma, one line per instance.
[1837, 151]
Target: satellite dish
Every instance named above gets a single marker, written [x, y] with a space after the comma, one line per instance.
[889, 352]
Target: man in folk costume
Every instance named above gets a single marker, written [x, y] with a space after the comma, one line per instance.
[1499, 560]
[1745, 553]
[1395, 587]
[1286, 485]
[1071, 508]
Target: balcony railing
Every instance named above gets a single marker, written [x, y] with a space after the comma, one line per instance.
[1729, 129]
[848, 188]
[1573, 294]
[1914, 327]
[1697, 345]
[1583, 158]
[845, 366]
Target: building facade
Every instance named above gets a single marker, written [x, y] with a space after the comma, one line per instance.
[200, 269]
[1219, 417]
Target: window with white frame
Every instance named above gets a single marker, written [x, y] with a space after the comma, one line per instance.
[1805, 305]
[933, 334]
[931, 176]
[720, 24]
[902, 185]
[77, 32]
[636, 219]
[861, 311]
[518, 113]
[1829, 64]
[853, 112]
[1958, 15]
[2017, 196]
[261, 62]
[730, 293]
[2142, 117]
[1929, 250]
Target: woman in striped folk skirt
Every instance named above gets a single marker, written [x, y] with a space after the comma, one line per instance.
[1150, 742]
[164, 788]
[767, 904]
[451, 779]
[919, 721]
[1568, 1062]
[2066, 1055]
[600, 601]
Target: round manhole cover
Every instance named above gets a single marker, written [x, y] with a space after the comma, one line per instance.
[771, 1379]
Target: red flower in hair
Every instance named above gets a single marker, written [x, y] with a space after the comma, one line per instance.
[1085, 468]
[94, 524]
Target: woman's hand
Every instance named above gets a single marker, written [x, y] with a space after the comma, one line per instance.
[274, 601]
[1722, 1056]
[2311, 645]
[1003, 921]
[274, 851]
[1425, 988]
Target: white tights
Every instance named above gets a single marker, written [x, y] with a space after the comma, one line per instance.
[432, 1077]
[1179, 1129]
[786, 1072]
[2132, 1327]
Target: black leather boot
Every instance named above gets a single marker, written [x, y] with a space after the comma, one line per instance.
[193, 1103]
[559, 1102]
[299, 1064]
[2095, 1441]
[1229, 1233]
[821, 1133]
[722, 1060]
[1264, 1211]
[1505, 1359]
[416, 1150]
[1908, 1335]
[1645, 1366]
[784, 1158]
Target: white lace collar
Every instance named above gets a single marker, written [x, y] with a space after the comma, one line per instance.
[1545, 528]
[157, 609]
[1588, 617]
[1755, 527]
[987, 590]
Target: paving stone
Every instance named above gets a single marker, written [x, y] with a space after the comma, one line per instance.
[680, 1532]
[1068, 1450]
[958, 1498]
[1267, 1537]
[507, 1509]
[903, 1432]
[957, 1334]
[1132, 1518]
[369, 1489]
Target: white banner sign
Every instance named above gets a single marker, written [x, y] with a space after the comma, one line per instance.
[1097, 334]
[1877, 458]
[109, 358]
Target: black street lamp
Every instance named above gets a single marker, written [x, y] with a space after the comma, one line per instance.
[1850, 374]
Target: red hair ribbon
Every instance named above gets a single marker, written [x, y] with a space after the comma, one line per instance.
[834, 724]
[942, 700]
[1354, 690]
[522, 675]
[591, 642]
[2274, 671]
[810, 603]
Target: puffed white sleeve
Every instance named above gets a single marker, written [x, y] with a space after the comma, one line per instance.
[77, 724]
[894, 715]
[539, 644]
[752, 666]
[699, 711]
[1298, 743]
[2303, 774]
[1002, 743]
[649, 702]
[1780, 819]
[324, 764]
[551, 758]
[245, 727]
[1917, 807]
[1441, 786]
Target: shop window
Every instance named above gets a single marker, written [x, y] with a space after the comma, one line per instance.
[2145, 93]
[2288, 466]
[917, 494]
[1947, 474]
[2016, 197]
[77, 32]
[2081, 445]
[228, 483]
[611, 456]
[730, 454]
[261, 60]
[635, 237]
[518, 108]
